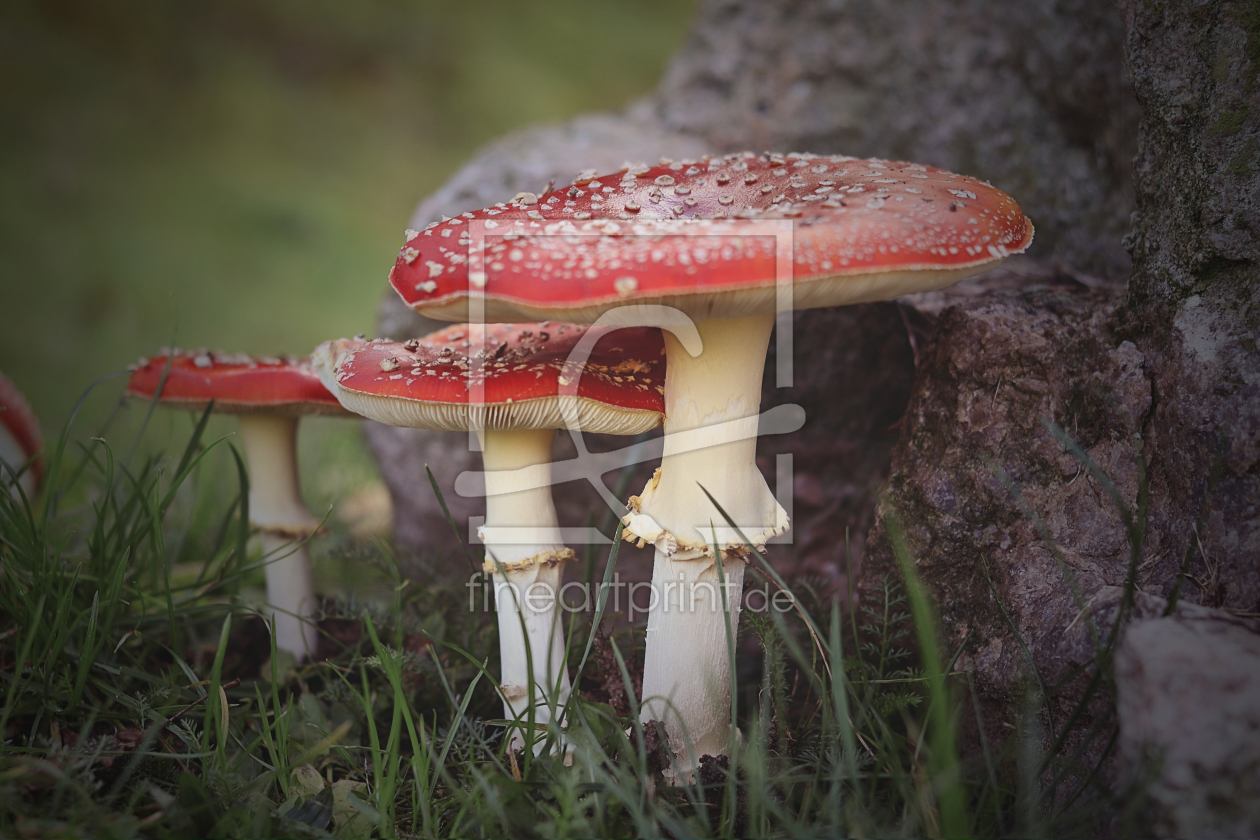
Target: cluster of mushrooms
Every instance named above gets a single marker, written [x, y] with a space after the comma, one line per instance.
[615, 304]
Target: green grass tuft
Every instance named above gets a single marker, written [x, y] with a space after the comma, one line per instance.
[143, 698]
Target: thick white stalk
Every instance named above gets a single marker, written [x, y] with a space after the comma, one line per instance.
[520, 523]
[291, 594]
[276, 509]
[720, 386]
[275, 501]
[530, 597]
[687, 659]
[687, 667]
[522, 533]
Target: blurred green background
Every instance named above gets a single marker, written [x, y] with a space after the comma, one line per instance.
[236, 174]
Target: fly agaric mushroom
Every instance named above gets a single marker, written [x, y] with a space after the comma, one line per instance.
[515, 384]
[862, 230]
[269, 396]
[20, 441]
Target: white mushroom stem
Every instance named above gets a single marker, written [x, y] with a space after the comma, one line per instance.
[276, 510]
[521, 532]
[687, 671]
[687, 658]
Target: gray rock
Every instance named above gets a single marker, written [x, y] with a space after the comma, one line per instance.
[1195, 295]
[1029, 95]
[529, 159]
[1168, 371]
[993, 368]
[1188, 699]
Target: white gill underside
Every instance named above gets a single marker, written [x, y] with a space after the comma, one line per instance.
[547, 413]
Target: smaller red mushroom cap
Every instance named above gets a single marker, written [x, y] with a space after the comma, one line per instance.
[237, 383]
[19, 420]
[677, 235]
[506, 376]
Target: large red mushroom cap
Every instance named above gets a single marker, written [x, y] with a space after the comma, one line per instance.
[506, 376]
[864, 229]
[17, 419]
[238, 384]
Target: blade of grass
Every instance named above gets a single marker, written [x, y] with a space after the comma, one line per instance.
[732, 674]
[943, 760]
[28, 639]
[216, 719]
[450, 520]
[1028, 657]
[242, 533]
[155, 519]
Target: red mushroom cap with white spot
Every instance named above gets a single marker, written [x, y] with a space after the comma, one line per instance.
[237, 383]
[18, 419]
[507, 376]
[863, 230]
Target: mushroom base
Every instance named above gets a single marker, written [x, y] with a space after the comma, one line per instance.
[276, 509]
[531, 646]
[290, 594]
[522, 534]
[687, 668]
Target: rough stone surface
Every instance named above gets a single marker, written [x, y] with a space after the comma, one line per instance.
[840, 458]
[1188, 696]
[1194, 305]
[527, 160]
[1169, 369]
[1194, 310]
[995, 369]
[1029, 95]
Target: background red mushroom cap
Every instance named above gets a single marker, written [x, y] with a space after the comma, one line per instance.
[518, 372]
[864, 229]
[20, 421]
[238, 384]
